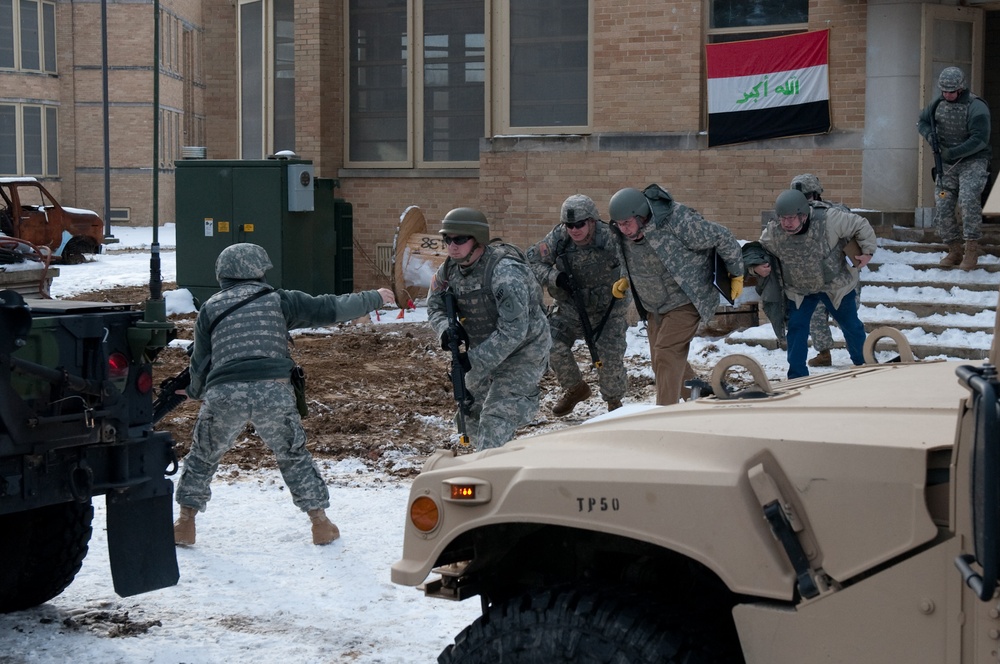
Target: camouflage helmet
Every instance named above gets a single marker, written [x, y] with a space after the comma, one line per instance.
[807, 183]
[242, 261]
[789, 202]
[628, 203]
[578, 208]
[466, 221]
[952, 79]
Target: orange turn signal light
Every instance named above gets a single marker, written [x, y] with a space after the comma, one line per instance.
[424, 514]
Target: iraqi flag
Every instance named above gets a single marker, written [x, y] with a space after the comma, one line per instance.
[768, 88]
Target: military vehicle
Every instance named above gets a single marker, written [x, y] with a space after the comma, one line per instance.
[76, 407]
[842, 517]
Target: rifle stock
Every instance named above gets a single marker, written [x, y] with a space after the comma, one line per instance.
[588, 329]
[167, 398]
[463, 397]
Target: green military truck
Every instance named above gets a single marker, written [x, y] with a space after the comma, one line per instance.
[76, 413]
[842, 517]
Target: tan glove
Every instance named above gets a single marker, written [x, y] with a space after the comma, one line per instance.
[619, 288]
[735, 287]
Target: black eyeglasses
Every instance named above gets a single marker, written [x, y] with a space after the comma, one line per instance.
[575, 224]
[457, 239]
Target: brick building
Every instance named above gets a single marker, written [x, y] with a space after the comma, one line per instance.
[504, 105]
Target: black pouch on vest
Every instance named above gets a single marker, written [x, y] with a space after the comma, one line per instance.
[298, 379]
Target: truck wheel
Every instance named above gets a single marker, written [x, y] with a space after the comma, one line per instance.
[73, 252]
[42, 552]
[554, 627]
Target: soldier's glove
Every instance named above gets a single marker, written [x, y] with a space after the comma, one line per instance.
[463, 359]
[565, 282]
[619, 288]
[463, 338]
[735, 287]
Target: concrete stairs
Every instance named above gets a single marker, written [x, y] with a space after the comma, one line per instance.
[941, 312]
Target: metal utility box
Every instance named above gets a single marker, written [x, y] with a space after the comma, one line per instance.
[276, 203]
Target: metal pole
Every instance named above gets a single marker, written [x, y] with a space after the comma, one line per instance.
[107, 130]
[155, 280]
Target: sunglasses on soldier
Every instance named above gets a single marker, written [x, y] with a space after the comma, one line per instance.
[457, 239]
[575, 224]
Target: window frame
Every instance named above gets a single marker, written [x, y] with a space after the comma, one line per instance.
[48, 118]
[266, 113]
[415, 93]
[47, 46]
[502, 78]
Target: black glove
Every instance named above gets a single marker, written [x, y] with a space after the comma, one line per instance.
[463, 338]
[463, 359]
[446, 340]
[565, 282]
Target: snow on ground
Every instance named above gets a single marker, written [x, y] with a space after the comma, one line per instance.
[255, 588]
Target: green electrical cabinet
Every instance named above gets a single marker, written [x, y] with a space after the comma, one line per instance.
[276, 203]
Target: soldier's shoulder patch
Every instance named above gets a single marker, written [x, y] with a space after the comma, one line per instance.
[438, 285]
[543, 249]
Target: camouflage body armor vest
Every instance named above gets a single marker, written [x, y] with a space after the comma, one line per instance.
[799, 253]
[257, 329]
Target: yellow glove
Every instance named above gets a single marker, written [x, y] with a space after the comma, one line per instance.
[736, 287]
[619, 288]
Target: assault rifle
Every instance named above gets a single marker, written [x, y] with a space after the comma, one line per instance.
[456, 336]
[938, 169]
[588, 330]
[167, 398]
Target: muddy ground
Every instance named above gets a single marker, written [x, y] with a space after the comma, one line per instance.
[379, 393]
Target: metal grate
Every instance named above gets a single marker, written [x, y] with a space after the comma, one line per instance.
[383, 258]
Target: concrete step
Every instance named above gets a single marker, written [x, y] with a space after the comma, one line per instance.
[923, 345]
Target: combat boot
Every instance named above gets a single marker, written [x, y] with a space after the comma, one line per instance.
[614, 404]
[954, 255]
[972, 253]
[822, 359]
[323, 530]
[184, 526]
[573, 396]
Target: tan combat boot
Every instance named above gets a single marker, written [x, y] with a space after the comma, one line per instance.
[184, 526]
[573, 396]
[822, 359]
[323, 530]
[972, 253]
[954, 255]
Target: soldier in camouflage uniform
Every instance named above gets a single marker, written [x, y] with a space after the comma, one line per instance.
[810, 243]
[579, 259]
[499, 304]
[240, 368]
[961, 123]
[667, 250]
[819, 324]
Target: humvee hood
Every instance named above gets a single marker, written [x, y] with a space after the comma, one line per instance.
[688, 477]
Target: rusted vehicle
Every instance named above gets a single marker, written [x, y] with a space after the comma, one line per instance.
[29, 212]
[842, 517]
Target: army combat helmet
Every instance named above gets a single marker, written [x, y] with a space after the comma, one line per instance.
[242, 261]
[466, 221]
[578, 208]
[807, 183]
[952, 79]
[628, 203]
[789, 202]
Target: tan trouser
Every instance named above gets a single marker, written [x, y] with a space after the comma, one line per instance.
[670, 336]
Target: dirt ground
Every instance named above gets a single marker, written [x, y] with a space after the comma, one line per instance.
[379, 393]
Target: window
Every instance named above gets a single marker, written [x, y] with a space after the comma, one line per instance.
[420, 101]
[267, 77]
[29, 140]
[732, 20]
[548, 63]
[28, 35]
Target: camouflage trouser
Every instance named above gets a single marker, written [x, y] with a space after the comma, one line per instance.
[961, 184]
[505, 398]
[610, 349]
[270, 406]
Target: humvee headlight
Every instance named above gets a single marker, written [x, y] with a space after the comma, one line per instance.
[424, 514]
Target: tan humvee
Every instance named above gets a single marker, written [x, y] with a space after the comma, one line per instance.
[848, 517]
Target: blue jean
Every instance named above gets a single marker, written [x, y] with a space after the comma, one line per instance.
[798, 329]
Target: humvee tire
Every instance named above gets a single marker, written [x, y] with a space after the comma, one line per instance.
[44, 549]
[590, 627]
